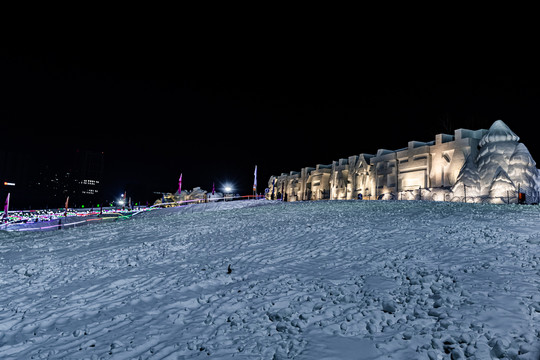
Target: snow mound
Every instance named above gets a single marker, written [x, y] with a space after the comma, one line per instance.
[307, 280]
[211, 206]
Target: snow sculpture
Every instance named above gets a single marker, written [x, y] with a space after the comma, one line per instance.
[468, 181]
[502, 168]
[339, 180]
[471, 165]
[501, 187]
[522, 169]
[499, 132]
[197, 194]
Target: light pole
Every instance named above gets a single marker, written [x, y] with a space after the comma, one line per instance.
[228, 191]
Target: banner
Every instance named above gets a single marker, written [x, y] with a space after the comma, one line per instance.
[180, 184]
[67, 202]
[6, 207]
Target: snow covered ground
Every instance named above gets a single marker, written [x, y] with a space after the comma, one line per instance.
[309, 280]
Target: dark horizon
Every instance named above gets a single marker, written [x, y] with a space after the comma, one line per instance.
[158, 114]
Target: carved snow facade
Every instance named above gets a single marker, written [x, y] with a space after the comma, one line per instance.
[471, 165]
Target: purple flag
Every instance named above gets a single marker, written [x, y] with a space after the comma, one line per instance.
[6, 207]
[213, 188]
[180, 184]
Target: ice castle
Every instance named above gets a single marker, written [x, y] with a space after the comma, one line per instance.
[485, 166]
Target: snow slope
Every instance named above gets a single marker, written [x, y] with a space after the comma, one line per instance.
[309, 280]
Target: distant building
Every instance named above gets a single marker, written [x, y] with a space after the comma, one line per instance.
[89, 176]
[491, 164]
[44, 180]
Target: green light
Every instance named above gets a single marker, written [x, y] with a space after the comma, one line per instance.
[82, 206]
[97, 205]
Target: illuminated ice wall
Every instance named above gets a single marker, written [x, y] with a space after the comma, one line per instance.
[471, 165]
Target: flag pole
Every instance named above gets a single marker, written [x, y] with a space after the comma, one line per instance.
[179, 189]
[255, 184]
[67, 202]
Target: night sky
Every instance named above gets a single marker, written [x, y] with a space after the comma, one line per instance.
[213, 115]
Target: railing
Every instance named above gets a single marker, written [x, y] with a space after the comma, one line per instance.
[431, 194]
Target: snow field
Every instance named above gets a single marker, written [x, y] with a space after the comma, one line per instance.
[310, 280]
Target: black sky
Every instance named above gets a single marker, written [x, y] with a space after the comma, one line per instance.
[213, 115]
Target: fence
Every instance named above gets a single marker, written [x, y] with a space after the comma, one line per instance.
[442, 194]
[432, 194]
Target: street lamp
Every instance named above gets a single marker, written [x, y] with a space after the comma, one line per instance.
[228, 191]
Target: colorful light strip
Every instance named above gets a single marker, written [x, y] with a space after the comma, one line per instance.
[18, 218]
[31, 217]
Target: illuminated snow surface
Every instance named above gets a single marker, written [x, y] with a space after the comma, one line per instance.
[312, 280]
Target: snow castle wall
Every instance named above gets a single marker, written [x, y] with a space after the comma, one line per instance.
[471, 165]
